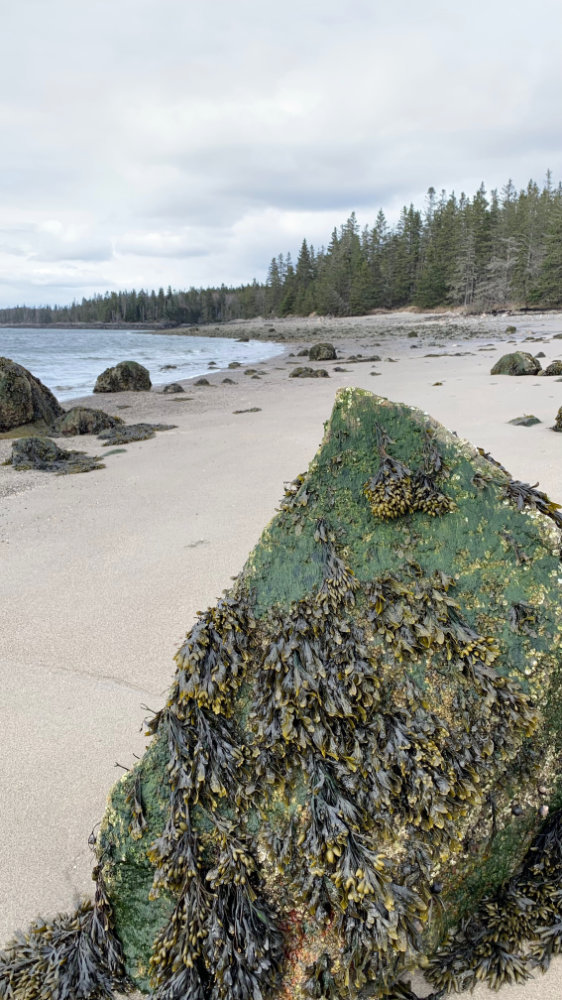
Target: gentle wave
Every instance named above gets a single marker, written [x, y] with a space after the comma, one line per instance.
[69, 361]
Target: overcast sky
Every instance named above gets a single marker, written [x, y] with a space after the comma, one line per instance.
[184, 142]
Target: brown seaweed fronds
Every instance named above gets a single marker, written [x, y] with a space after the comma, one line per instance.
[69, 956]
[524, 495]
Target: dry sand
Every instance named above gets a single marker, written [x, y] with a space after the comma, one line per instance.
[102, 574]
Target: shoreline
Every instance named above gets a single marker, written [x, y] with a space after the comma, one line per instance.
[104, 572]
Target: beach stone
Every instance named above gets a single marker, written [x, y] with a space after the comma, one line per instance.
[558, 421]
[202, 381]
[301, 354]
[554, 368]
[527, 420]
[412, 333]
[540, 354]
[350, 729]
[127, 376]
[23, 398]
[517, 363]
[235, 364]
[322, 352]
[306, 372]
[44, 455]
[173, 387]
[83, 420]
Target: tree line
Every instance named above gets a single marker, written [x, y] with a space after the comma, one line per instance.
[484, 252]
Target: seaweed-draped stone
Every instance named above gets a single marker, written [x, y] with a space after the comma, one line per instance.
[361, 744]
[23, 397]
[125, 376]
[517, 363]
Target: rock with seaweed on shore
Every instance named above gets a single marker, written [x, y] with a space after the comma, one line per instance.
[173, 387]
[558, 421]
[516, 363]
[126, 376]
[527, 420]
[84, 420]
[23, 398]
[44, 455]
[303, 371]
[356, 771]
[554, 368]
[322, 352]
[126, 433]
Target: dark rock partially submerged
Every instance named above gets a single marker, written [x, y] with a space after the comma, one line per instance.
[46, 456]
[132, 432]
[517, 363]
[23, 398]
[83, 420]
[359, 747]
[127, 376]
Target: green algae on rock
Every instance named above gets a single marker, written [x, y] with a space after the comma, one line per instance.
[360, 752]
[126, 433]
[23, 398]
[84, 420]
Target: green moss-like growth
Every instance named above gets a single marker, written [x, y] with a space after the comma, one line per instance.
[23, 398]
[359, 749]
[127, 376]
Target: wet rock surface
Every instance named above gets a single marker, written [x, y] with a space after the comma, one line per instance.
[517, 363]
[357, 768]
[127, 376]
[46, 456]
[23, 397]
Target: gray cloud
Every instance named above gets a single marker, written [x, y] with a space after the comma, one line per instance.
[150, 142]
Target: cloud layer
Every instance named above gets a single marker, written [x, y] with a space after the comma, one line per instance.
[156, 142]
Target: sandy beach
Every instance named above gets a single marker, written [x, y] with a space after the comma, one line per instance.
[102, 574]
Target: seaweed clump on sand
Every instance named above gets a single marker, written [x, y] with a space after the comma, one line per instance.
[46, 456]
[356, 772]
[126, 433]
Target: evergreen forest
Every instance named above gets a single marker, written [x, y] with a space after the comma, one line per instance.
[485, 252]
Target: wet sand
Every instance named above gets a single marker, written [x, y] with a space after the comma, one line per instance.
[102, 574]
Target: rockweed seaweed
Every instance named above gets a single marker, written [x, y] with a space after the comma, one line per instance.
[73, 956]
[395, 490]
[514, 932]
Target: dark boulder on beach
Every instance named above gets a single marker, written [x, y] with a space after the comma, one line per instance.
[554, 368]
[306, 372]
[357, 769]
[322, 352]
[84, 420]
[173, 387]
[517, 363]
[23, 398]
[558, 421]
[127, 376]
[527, 420]
[45, 456]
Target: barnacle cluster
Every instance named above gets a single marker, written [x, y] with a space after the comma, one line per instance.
[395, 490]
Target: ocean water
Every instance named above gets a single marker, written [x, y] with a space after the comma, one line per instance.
[69, 361]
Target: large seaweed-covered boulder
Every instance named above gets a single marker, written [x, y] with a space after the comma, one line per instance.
[517, 363]
[360, 746]
[127, 376]
[322, 352]
[23, 397]
[84, 420]
[44, 455]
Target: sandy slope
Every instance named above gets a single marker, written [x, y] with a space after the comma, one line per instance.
[101, 574]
